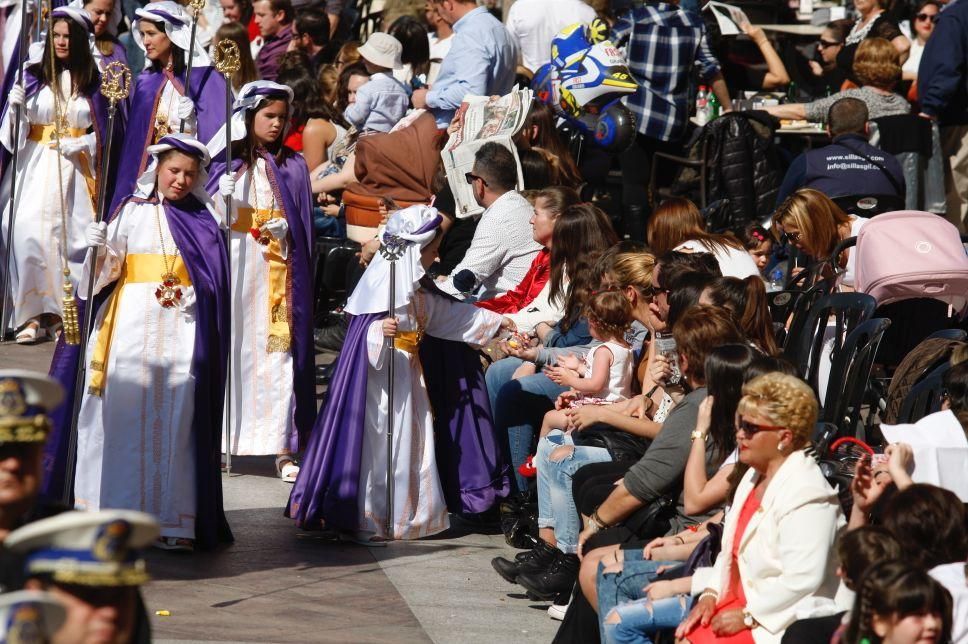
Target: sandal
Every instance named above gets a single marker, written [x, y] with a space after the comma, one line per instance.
[28, 334]
[54, 331]
[286, 468]
[174, 544]
[362, 540]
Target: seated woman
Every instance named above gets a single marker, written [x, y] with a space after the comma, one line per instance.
[815, 225]
[746, 300]
[779, 534]
[678, 225]
[825, 76]
[877, 67]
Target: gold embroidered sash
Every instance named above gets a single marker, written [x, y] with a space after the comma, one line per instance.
[45, 134]
[138, 268]
[280, 339]
[408, 341]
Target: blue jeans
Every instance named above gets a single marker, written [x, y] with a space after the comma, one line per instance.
[556, 504]
[641, 619]
[518, 407]
[617, 588]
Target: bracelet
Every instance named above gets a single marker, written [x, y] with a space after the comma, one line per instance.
[681, 540]
[707, 593]
[597, 520]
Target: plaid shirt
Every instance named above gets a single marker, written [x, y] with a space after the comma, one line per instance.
[662, 43]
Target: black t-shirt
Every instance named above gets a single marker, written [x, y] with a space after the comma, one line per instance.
[884, 27]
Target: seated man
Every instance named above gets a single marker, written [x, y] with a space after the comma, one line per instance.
[503, 247]
[90, 563]
[850, 165]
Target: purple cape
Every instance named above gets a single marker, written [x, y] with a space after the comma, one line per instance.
[290, 182]
[208, 94]
[470, 463]
[202, 247]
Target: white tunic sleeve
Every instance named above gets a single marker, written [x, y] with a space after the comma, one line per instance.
[450, 320]
[375, 344]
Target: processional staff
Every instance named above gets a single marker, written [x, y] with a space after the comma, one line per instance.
[197, 6]
[391, 249]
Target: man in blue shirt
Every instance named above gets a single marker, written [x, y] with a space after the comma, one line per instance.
[482, 60]
[662, 45]
[943, 91]
[850, 165]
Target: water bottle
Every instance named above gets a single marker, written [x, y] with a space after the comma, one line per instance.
[665, 345]
[776, 280]
[702, 105]
[713, 106]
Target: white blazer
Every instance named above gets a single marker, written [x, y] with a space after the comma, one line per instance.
[786, 559]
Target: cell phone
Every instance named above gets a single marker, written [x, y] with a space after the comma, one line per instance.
[665, 345]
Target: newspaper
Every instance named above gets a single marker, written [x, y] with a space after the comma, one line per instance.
[482, 120]
[729, 18]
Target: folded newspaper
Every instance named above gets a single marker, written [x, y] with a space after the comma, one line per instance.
[482, 120]
[729, 18]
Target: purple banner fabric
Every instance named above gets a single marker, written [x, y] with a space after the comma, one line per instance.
[327, 488]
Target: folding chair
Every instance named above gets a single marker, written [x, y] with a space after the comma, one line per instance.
[924, 397]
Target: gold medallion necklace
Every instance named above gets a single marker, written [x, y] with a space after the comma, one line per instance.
[169, 291]
[260, 218]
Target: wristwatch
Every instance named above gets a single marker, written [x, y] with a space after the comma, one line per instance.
[698, 434]
[748, 620]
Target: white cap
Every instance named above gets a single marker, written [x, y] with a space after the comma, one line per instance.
[29, 616]
[383, 50]
[26, 398]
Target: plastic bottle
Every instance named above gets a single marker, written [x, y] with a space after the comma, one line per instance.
[713, 106]
[776, 280]
[792, 93]
[702, 105]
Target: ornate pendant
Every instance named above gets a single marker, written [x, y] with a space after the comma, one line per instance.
[169, 292]
[262, 238]
[161, 127]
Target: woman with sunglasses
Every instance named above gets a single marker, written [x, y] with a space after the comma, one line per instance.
[776, 556]
[826, 78]
[922, 26]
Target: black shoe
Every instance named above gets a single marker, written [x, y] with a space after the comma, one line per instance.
[330, 338]
[535, 560]
[559, 577]
[324, 372]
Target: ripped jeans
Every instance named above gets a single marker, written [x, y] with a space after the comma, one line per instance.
[556, 505]
[625, 613]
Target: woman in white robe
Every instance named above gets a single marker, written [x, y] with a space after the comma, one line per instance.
[137, 430]
[55, 190]
[419, 508]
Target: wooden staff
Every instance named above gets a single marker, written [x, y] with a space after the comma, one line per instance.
[197, 6]
[227, 62]
[115, 86]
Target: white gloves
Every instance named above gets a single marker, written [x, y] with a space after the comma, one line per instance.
[187, 302]
[96, 234]
[72, 146]
[17, 96]
[277, 227]
[186, 108]
[226, 185]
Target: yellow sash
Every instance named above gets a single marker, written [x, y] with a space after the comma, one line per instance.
[45, 134]
[280, 339]
[138, 268]
[408, 341]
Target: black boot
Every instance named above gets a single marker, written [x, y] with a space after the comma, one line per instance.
[633, 222]
[324, 372]
[330, 338]
[538, 558]
[559, 577]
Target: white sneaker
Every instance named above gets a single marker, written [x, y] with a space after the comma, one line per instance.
[557, 612]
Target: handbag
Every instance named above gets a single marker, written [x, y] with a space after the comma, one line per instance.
[621, 446]
[654, 519]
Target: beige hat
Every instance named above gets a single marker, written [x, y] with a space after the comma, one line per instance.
[383, 50]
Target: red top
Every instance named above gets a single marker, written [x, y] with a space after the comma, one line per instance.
[525, 292]
[294, 140]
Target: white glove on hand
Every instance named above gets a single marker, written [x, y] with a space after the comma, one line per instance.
[226, 185]
[17, 96]
[277, 227]
[187, 302]
[72, 146]
[186, 108]
[96, 234]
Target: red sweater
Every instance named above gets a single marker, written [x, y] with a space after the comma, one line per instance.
[525, 292]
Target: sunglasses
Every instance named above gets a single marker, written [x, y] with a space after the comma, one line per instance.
[654, 291]
[824, 44]
[794, 236]
[469, 177]
[752, 429]
[926, 16]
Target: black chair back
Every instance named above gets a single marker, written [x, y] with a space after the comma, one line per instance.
[850, 373]
[924, 397]
[841, 313]
[866, 205]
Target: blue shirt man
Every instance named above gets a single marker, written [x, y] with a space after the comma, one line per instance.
[482, 60]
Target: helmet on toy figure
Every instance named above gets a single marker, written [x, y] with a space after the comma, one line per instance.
[585, 82]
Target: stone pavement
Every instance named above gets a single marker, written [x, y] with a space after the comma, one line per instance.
[276, 584]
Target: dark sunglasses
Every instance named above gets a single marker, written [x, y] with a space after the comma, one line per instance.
[823, 44]
[469, 177]
[926, 16]
[793, 237]
[752, 429]
[654, 291]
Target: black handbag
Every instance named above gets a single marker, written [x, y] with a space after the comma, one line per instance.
[653, 520]
[621, 446]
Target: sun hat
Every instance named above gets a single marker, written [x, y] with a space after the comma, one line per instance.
[383, 50]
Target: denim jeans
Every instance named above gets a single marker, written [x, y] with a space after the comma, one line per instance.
[556, 505]
[518, 407]
[641, 619]
[617, 588]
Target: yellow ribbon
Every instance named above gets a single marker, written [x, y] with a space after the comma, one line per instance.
[280, 338]
[138, 268]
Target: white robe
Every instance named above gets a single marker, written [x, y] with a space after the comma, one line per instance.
[36, 277]
[419, 508]
[262, 402]
[135, 446]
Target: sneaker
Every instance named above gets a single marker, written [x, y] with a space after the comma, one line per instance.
[557, 610]
[559, 577]
[527, 468]
[535, 560]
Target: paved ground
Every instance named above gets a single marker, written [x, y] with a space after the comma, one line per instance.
[275, 584]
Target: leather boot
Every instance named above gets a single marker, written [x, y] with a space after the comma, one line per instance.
[559, 577]
[330, 338]
[633, 222]
[538, 558]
